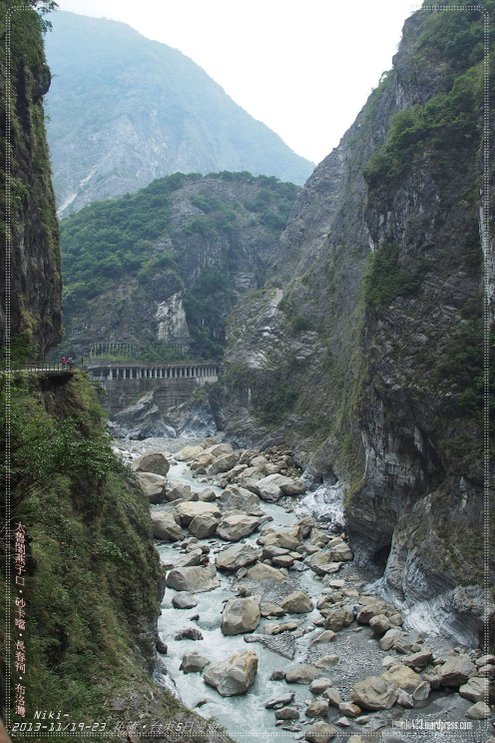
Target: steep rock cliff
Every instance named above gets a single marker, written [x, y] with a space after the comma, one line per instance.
[164, 266]
[367, 350]
[31, 260]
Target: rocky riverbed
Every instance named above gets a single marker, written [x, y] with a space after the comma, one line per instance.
[269, 627]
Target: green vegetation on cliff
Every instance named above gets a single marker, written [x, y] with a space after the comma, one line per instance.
[194, 242]
[435, 147]
[385, 279]
[93, 577]
[92, 572]
[35, 316]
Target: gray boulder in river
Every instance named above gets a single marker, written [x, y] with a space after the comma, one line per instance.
[241, 615]
[193, 579]
[234, 675]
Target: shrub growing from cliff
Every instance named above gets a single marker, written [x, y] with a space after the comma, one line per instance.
[437, 127]
[385, 278]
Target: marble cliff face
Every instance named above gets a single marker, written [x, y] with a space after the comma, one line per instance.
[370, 337]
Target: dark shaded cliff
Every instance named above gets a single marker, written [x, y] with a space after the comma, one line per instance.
[31, 248]
[367, 349]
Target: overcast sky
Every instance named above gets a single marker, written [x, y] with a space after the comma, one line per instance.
[303, 68]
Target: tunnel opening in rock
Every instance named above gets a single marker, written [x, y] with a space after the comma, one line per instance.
[380, 557]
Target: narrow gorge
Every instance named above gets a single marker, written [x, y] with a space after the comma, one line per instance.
[256, 494]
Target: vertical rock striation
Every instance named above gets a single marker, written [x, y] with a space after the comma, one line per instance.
[366, 350]
[32, 261]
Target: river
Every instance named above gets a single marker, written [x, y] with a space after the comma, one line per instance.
[356, 653]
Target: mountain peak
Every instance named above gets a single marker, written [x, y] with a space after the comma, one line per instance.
[124, 110]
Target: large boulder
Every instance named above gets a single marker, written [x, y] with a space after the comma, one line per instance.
[193, 663]
[237, 556]
[235, 526]
[271, 610]
[318, 708]
[223, 463]
[165, 527]
[180, 492]
[319, 685]
[190, 633]
[479, 711]
[207, 495]
[192, 557]
[188, 453]
[219, 450]
[287, 713]
[277, 629]
[157, 463]
[339, 550]
[321, 732]
[193, 579]
[456, 671]
[287, 538]
[391, 639]
[374, 693]
[206, 457]
[327, 661]
[294, 487]
[373, 607]
[303, 673]
[297, 603]
[260, 571]
[379, 624]
[184, 600]
[241, 615]
[152, 485]
[420, 659]
[327, 635]
[281, 701]
[322, 564]
[239, 499]
[190, 509]
[476, 689]
[203, 525]
[270, 488]
[200, 464]
[403, 677]
[339, 617]
[234, 675]
[333, 695]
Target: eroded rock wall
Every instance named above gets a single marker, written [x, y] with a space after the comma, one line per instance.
[366, 352]
[30, 281]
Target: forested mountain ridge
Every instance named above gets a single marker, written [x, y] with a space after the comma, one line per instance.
[168, 263]
[124, 110]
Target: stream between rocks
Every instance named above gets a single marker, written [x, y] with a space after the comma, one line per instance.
[353, 654]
